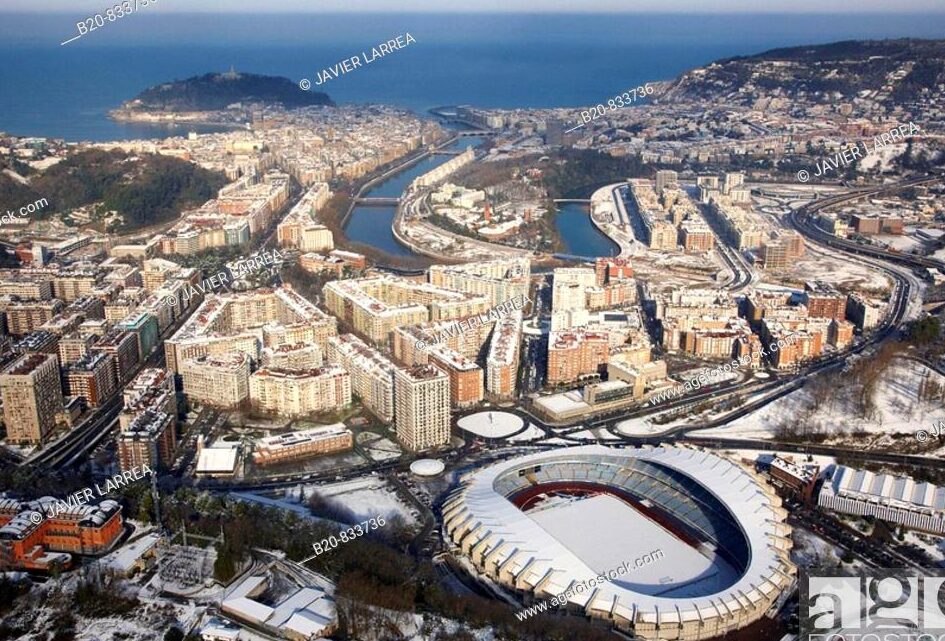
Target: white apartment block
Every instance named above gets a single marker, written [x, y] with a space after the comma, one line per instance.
[372, 373]
[298, 393]
[502, 360]
[422, 407]
[220, 381]
[499, 280]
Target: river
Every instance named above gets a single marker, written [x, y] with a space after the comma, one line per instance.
[372, 225]
[579, 235]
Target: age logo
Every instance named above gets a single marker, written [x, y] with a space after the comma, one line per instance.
[885, 605]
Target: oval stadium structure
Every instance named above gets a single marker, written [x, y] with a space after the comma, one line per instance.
[545, 524]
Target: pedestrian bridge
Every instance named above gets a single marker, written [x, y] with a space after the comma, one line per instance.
[377, 201]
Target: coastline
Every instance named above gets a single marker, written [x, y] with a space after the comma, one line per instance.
[122, 114]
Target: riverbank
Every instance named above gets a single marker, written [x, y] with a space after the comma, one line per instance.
[461, 248]
[406, 223]
[405, 163]
[610, 216]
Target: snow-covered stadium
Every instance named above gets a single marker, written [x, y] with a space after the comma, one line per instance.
[543, 523]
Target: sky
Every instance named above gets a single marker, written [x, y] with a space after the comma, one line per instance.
[457, 6]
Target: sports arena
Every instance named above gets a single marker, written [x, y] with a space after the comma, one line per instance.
[543, 523]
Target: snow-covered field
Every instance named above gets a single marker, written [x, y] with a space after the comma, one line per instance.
[642, 426]
[377, 447]
[898, 410]
[366, 498]
[934, 546]
[836, 270]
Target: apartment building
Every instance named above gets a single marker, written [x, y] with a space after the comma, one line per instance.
[422, 407]
[612, 269]
[23, 317]
[841, 333]
[376, 306]
[738, 226]
[152, 389]
[372, 373]
[466, 377]
[318, 263]
[74, 347]
[304, 444]
[665, 178]
[502, 360]
[248, 321]
[299, 228]
[695, 236]
[575, 354]
[569, 287]
[218, 381]
[498, 280]
[782, 251]
[148, 439]
[93, 377]
[299, 393]
[824, 301]
[32, 397]
[123, 346]
[863, 312]
[299, 355]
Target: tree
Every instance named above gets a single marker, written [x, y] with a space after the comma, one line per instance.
[174, 634]
[224, 568]
[925, 331]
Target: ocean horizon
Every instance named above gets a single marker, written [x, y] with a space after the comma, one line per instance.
[488, 60]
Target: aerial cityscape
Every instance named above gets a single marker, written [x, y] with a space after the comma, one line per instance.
[511, 322]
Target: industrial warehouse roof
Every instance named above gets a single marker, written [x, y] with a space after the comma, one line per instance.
[886, 489]
[513, 546]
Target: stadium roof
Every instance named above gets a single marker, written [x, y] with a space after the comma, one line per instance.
[499, 536]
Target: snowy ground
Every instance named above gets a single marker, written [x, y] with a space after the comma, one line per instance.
[934, 546]
[811, 551]
[642, 426]
[41, 613]
[366, 498]
[381, 623]
[898, 242]
[597, 434]
[752, 455]
[677, 417]
[836, 270]
[530, 434]
[377, 447]
[898, 409]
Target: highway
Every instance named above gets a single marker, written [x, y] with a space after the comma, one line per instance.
[801, 220]
[81, 439]
[780, 385]
[772, 389]
[75, 446]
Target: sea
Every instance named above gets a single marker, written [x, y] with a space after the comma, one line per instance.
[490, 60]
